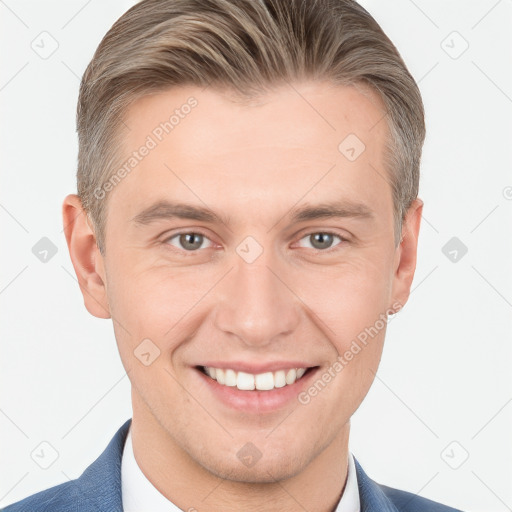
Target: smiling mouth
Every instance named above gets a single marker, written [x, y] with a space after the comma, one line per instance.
[261, 382]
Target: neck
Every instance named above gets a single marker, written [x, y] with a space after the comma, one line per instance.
[189, 485]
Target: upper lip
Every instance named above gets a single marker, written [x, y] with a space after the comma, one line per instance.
[256, 368]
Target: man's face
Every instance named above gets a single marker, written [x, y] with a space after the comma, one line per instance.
[262, 290]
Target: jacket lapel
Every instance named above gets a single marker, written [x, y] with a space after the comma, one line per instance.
[371, 496]
[99, 486]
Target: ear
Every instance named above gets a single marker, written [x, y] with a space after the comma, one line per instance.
[405, 256]
[85, 256]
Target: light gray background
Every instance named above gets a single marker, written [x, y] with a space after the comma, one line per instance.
[443, 391]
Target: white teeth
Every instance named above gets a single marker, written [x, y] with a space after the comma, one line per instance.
[291, 375]
[262, 381]
[244, 381]
[280, 379]
[220, 376]
[230, 378]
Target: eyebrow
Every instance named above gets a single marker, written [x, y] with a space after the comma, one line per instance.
[167, 210]
[164, 209]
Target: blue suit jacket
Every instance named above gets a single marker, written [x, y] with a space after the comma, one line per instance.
[98, 489]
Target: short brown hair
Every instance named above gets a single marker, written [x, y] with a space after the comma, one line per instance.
[247, 46]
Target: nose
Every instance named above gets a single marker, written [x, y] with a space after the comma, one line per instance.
[256, 304]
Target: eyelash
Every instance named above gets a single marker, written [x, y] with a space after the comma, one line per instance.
[191, 253]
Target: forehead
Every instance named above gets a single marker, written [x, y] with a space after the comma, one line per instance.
[323, 109]
[204, 144]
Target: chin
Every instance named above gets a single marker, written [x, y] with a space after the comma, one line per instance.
[265, 470]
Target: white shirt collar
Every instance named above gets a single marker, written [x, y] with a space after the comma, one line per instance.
[140, 495]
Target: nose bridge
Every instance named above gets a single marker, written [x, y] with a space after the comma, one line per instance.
[254, 303]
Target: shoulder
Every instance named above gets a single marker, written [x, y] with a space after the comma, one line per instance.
[407, 501]
[61, 497]
[375, 497]
[98, 488]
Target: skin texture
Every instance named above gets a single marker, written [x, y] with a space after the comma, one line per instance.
[254, 165]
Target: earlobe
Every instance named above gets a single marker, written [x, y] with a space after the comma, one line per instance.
[406, 254]
[85, 256]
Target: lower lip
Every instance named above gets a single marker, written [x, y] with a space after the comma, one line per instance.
[256, 401]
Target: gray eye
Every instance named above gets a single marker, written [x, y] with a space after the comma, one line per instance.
[188, 241]
[321, 240]
[191, 241]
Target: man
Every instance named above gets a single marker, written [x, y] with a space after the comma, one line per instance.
[247, 211]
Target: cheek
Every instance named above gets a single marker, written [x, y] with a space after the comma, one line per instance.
[152, 299]
[339, 389]
[350, 298]
[154, 309]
